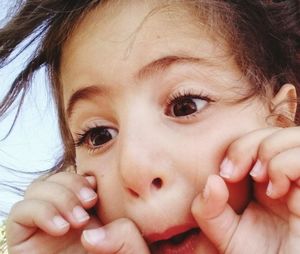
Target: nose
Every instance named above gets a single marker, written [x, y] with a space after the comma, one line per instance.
[142, 164]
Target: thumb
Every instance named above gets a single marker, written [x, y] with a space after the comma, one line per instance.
[216, 218]
[119, 237]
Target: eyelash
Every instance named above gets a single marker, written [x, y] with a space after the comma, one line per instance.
[179, 95]
[81, 138]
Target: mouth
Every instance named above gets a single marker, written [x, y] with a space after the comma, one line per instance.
[179, 243]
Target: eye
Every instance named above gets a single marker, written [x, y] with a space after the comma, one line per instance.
[96, 137]
[181, 105]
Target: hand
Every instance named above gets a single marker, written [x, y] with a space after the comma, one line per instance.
[271, 222]
[52, 218]
[118, 237]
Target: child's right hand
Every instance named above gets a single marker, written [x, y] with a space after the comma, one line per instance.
[52, 219]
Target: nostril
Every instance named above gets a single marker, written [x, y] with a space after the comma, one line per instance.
[157, 183]
[133, 193]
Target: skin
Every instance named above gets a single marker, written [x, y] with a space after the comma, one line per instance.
[126, 167]
[106, 51]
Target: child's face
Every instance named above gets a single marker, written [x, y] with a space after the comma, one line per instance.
[152, 95]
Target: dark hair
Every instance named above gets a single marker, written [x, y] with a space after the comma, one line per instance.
[263, 36]
[50, 22]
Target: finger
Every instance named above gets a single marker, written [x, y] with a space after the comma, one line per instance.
[213, 214]
[293, 205]
[28, 215]
[293, 201]
[242, 154]
[274, 144]
[93, 223]
[65, 201]
[83, 187]
[118, 237]
[283, 169]
[92, 181]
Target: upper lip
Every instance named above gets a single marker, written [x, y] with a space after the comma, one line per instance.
[168, 233]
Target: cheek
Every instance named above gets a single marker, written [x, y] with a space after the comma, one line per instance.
[109, 187]
[205, 148]
[195, 150]
[111, 198]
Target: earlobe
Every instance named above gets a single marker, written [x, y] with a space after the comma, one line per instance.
[284, 103]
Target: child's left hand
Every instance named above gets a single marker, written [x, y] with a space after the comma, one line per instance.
[271, 222]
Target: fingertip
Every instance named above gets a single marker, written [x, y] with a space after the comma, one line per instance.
[269, 190]
[217, 185]
[227, 169]
[230, 171]
[215, 179]
[119, 236]
[92, 181]
[213, 197]
[93, 237]
[277, 189]
[213, 214]
[209, 183]
[59, 225]
[88, 196]
[259, 172]
[80, 216]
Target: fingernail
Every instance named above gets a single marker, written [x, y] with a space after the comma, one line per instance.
[60, 222]
[269, 189]
[205, 192]
[94, 236]
[80, 214]
[227, 168]
[87, 194]
[90, 179]
[257, 169]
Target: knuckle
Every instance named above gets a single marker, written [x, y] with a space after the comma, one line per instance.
[266, 149]
[59, 194]
[44, 208]
[235, 149]
[47, 210]
[16, 207]
[31, 189]
[273, 167]
[69, 179]
[58, 175]
[67, 199]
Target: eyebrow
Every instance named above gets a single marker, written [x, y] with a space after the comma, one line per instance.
[162, 64]
[155, 67]
[86, 93]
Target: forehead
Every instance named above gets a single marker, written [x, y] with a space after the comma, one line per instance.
[121, 38]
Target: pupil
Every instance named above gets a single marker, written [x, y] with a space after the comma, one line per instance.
[100, 136]
[185, 107]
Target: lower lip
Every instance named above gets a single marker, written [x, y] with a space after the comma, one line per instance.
[187, 246]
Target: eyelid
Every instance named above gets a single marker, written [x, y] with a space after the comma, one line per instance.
[88, 126]
[188, 93]
[83, 142]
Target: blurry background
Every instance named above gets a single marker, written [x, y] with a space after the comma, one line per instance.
[34, 143]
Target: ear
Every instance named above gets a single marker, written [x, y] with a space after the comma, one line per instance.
[284, 103]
